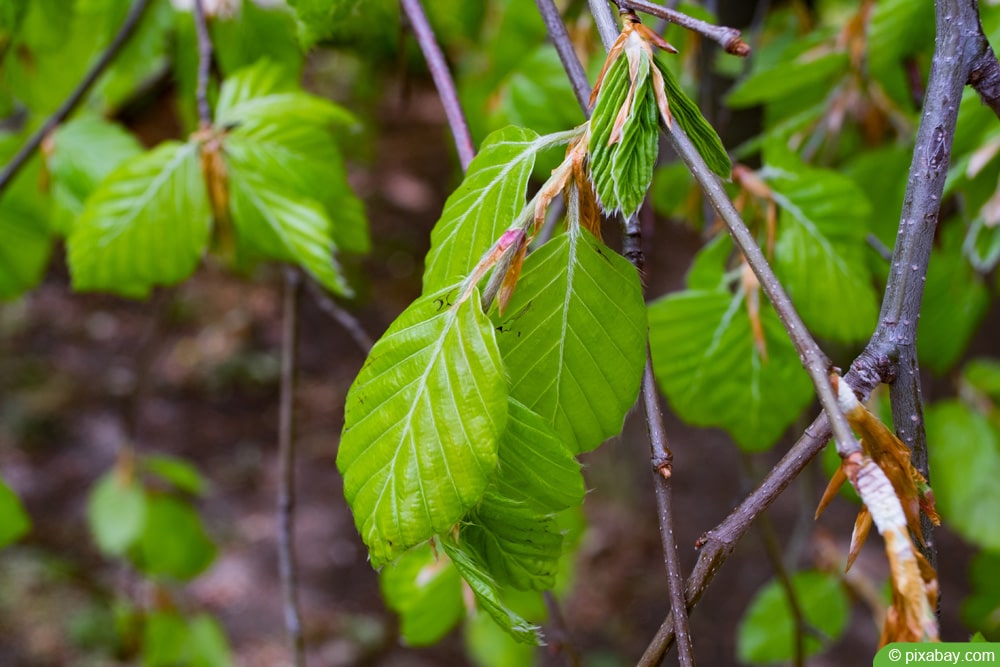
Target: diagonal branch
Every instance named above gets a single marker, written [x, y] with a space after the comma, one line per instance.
[729, 39]
[442, 79]
[124, 33]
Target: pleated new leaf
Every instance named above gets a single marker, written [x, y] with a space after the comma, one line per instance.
[699, 131]
[622, 157]
[147, 224]
[483, 206]
[425, 589]
[423, 422]
[708, 367]
[487, 593]
[573, 338]
[278, 223]
[513, 529]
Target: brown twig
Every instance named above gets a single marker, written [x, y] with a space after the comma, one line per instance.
[564, 47]
[340, 315]
[729, 39]
[287, 569]
[204, 64]
[559, 638]
[442, 80]
[66, 108]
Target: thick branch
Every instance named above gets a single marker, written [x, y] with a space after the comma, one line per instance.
[75, 97]
[204, 64]
[442, 80]
[728, 38]
[286, 468]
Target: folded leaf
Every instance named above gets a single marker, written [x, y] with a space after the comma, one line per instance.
[699, 131]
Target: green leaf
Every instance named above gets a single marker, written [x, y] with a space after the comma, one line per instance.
[116, 512]
[488, 594]
[268, 92]
[699, 131]
[534, 460]
[767, 632]
[787, 78]
[303, 159]
[964, 450]
[173, 543]
[622, 172]
[955, 302]
[520, 545]
[147, 224]
[981, 610]
[706, 364]
[538, 95]
[422, 424]
[426, 591]
[365, 21]
[573, 338]
[489, 645]
[183, 475]
[984, 375]
[24, 251]
[820, 250]
[483, 206]
[170, 640]
[279, 225]
[84, 152]
[14, 521]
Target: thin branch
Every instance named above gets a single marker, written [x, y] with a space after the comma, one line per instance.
[204, 64]
[662, 460]
[564, 47]
[984, 73]
[729, 39]
[124, 33]
[442, 79]
[350, 323]
[286, 468]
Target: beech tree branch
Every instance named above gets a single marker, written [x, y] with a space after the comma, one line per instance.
[442, 80]
[287, 569]
[204, 64]
[729, 39]
[564, 47]
[66, 108]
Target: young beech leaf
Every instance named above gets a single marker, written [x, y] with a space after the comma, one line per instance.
[820, 251]
[24, 228]
[425, 589]
[14, 522]
[513, 529]
[487, 593]
[279, 224]
[173, 542]
[708, 367]
[767, 632]
[83, 152]
[573, 337]
[422, 424]
[699, 131]
[487, 201]
[147, 224]
[622, 157]
[116, 512]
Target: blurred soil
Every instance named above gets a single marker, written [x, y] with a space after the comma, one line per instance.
[194, 373]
